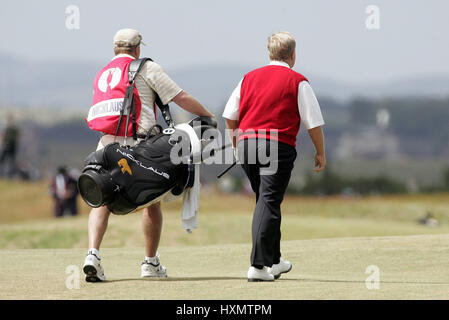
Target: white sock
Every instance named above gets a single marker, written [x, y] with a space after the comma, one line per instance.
[95, 252]
[152, 260]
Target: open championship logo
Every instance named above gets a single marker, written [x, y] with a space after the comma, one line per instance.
[109, 79]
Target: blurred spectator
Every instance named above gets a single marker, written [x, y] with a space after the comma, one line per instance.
[64, 190]
[9, 149]
[428, 220]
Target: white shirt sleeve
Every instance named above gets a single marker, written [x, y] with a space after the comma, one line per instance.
[309, 108]
[231, 110]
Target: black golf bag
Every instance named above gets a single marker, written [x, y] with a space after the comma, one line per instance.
[125, 178]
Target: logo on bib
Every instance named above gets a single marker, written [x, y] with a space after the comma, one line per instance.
[109, 79]
[125, 166]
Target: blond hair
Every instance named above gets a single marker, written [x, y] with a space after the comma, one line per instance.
[281, 46]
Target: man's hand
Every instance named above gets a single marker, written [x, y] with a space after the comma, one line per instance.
[232, 126]
[317, 137]
[320, 162]
[215, 119]
[236, 154]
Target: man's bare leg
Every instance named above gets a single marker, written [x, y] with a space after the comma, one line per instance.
[152, 228]
[97, 224]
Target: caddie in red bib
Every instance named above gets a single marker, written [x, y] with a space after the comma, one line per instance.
[109, 92]
[130, 87]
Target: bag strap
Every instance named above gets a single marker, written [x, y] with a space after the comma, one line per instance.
[134, 68]
[129, 103]
[165, 110]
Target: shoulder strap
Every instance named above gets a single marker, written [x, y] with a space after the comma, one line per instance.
[165, 110]
[128, 104]
[134, 68]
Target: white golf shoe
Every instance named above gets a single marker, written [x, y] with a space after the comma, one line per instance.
[257, 275]
[93, 269]
[153, 269]
[282, 267]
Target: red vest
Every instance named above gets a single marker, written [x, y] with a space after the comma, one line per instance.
[109, 92]
[269, 101]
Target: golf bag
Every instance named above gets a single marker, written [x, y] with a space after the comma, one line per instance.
[126, 179]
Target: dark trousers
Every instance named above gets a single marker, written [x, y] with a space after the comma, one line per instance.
[8, 163]
[269, 189]
[65, 206]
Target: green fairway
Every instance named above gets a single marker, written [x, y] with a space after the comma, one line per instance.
[214, 228]
[330, 241]
[26, 223]
[411, 267]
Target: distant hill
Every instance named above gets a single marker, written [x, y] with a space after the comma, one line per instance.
[68, 84]
[50, 100]
[57, 84]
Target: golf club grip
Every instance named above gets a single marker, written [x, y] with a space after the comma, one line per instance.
[226, 170]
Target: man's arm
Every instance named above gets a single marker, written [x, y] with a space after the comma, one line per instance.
[317, 137]
[231, 126]
[168, 90]
[231, 114]
[190, 104]
[310, 112]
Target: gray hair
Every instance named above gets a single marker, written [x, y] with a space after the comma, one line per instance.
[281, 46]
[118, 49]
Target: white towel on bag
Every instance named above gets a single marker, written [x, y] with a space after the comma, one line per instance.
[191, 196]
[191, 204]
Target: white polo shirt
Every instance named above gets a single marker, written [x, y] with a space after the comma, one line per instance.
[308, 106]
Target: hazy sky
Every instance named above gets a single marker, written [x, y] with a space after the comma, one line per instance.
[332, 39]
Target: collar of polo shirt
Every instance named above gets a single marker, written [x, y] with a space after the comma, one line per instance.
[279, 63]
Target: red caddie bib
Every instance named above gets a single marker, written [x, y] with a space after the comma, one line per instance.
[109, 92]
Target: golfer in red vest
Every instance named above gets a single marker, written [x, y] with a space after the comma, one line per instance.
[266, 109]
[109, 92]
